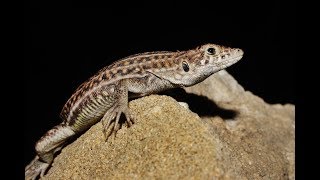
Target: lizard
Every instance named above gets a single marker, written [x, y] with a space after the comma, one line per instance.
[104, 97]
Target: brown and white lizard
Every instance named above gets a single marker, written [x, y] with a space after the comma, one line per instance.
[105, 95]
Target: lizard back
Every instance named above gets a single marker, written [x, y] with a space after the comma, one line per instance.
[131, 66]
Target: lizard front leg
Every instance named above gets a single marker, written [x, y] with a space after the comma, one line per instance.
[110, 120]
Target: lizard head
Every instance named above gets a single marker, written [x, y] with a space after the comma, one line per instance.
[193, 66]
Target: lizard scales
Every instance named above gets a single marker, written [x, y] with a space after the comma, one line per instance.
[105, 95]
[92, 90]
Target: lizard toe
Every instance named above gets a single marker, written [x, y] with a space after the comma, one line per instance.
[35, 168]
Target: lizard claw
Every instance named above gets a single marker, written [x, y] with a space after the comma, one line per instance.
[111, 122]
[35, 168]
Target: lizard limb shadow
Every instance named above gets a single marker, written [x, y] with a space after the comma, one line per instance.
[201, 105]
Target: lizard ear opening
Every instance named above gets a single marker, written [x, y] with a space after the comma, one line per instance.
[185, 66]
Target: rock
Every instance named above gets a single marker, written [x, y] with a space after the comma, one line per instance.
[256, 139]
[229, 133]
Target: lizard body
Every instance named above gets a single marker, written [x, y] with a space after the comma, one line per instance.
[105, 95]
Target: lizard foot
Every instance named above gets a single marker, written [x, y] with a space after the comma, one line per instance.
[114, 114]
[35, 168]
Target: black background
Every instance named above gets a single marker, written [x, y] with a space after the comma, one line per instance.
[68, 42]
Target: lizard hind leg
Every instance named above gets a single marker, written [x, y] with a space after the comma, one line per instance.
[36, 168]
[46, 148]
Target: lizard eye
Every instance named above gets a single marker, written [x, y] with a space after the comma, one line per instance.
[211, 51]
[185, 66]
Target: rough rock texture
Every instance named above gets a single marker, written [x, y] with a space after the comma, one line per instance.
[237, 136]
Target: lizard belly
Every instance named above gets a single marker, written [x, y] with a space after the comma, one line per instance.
[91, 109]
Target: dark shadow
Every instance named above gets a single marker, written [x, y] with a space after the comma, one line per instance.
[201, 105]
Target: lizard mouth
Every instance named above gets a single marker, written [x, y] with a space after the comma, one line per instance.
[229, 62]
